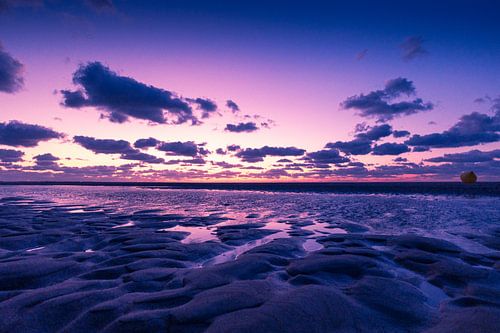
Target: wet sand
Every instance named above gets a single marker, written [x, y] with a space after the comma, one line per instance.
[84, 268]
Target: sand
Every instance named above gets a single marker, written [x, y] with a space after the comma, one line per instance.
[86, 268]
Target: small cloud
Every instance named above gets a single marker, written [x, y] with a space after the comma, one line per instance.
[232, 106]
[253, 155]
[188, 148]
[242, 127]
[412, 47]
[10, 155]
[361, 55]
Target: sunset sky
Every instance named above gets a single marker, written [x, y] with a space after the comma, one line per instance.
[249, 90]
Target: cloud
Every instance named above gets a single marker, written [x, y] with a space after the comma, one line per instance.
[146, 143]
[46, 162]
[472, 129]
[226, 165]
[376, 132]
[390, 149]
[104, 146]
[253, 155]
[206, 105]
[362, 143]
[330, 156]
[412, 48]
[120, 97]
[354, 147]
[188, 148]
[46, 157]
[400, 160]
[11, 72]
[400, 134]
[110, 146]
[140, 156]
[472, 156]
[17, 134]
[232, 106]
[362, 54]
[242, 127]
[377, 104]
[233, 148]
[10, 155]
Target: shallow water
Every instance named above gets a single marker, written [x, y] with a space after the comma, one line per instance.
[201, 213]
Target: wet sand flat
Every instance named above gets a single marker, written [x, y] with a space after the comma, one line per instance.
[143, 260]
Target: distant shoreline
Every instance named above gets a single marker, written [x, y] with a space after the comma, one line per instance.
[480, 188]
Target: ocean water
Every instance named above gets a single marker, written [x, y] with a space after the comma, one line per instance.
[203, 214]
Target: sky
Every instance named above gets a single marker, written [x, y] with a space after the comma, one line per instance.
[275, 90]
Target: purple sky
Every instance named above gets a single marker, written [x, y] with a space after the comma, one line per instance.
[249, 90]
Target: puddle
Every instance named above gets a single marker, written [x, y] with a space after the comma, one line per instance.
[196, 234]
[128, 224]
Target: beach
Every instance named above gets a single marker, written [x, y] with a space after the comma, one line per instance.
[145, 259]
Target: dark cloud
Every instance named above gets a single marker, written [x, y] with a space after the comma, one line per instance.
[284, 160]
[121, 97]
[220, 151]
[376, 132]
[412, 47]
[104, 146]
[233, 148]
[188, 148]
[11, 72]
[46, 157]
[253, 155]
[146, 143]
[472, 156]
[362, 143]
[46, 162]
[472, 129]
[10, 155]
[357, 146]
[110, 146]
[206, 105]
[390, 149]
[377, 104]
[400, 160]
[232, 106]
[420, 149]
[187, 162]
[399, 86]
[140, 156]
[330, 156]
[242, 127]
[226, 165]
[400, 134]
[17, 134]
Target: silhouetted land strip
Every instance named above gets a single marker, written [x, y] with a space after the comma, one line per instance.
[453, 188]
